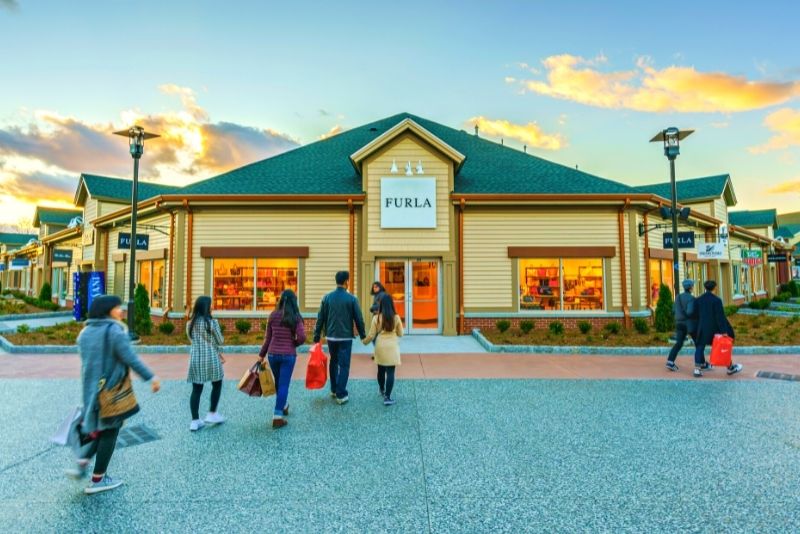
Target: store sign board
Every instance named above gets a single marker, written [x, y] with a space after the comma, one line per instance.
[62, 254]
[2, 267]
[408, 202]
[776, 258]
[752, 257]
[18, 264]
[710, 251]
[142, 241]
[87, 237]
[685, 240]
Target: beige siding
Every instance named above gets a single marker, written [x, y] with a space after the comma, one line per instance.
[412, 240]
[702, 207]
[324, 231]
[89, 215]
[109, 207]
[489, 232]
[721, 210]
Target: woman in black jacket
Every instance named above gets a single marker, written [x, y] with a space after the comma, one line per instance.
[377, 292]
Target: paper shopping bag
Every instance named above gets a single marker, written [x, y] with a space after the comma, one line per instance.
[250, 383]
[267, 382]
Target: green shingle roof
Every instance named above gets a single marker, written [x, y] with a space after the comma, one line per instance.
[108, 188]
[16, 239]
[788, 231]
[56, 216]
[753, 218]
[691, 189]
[324, 167]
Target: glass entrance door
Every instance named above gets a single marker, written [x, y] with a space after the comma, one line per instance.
[414, 288]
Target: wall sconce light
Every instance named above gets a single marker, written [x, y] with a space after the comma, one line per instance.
[419, 167]
[408, 169]
[393, 170]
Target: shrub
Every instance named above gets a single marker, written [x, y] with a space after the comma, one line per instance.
[614, 327]
[166, 327]
[503, 325]
[23, 329]
[665, 318]
[731, 309]
[793, 288]
[526, 326]
[556, 328]
[760, 304]
[641, 325]
[222, 328]
[243, 326]
[142, 322]
[783, 296]
[584, 326]
[46, 293]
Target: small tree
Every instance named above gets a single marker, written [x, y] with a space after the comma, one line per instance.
[46, 293]
[665, 317]
[141, 306]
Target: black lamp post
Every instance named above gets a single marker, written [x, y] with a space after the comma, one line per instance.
[136, 136]
[671, 137]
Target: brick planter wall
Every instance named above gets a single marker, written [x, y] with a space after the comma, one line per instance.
[229, 323]
[539, 322]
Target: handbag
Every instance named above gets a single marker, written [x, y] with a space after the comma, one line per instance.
[267, 382]
[250, 384]
[317, 370]
[118, 401]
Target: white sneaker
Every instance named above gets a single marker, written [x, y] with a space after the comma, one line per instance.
[196, 425]
[214, 418]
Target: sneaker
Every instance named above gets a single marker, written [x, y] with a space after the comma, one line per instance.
[196, 425]
[286, 411]
[79, 471]
[279, 423]
[388, 401]
[214, 418]
[343, 400]
[697, 372]
[706, 366]
[671, 366]
[381, 393]
[735, 368]
[106, 483]
[333, 394]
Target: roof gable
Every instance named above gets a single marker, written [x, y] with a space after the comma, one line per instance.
[695, 189]
[16, 239]
[754, 218]
[117, 189]
[56, 216]
[788, 231]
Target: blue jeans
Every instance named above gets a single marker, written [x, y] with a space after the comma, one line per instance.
[699, 354]
[282, 366]
[340, 366]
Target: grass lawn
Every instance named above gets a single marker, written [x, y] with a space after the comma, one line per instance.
[750, 330]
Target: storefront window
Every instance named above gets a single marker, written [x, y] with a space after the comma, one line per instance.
[145, 270]
[151, 276]
[737, 273]
[540, 284]
[696, 271]
[660, 274]
[583, 284]
[247, 284]
[555, 284]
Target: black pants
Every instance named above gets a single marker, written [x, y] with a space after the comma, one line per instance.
[197, 390]
[680, 336]
[103, 449]
[386, 379]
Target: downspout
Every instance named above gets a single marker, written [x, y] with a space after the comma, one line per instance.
[647, 262]
[352, 244]
[460, 326]
[171, 264]
[190, 255]
[626, 312]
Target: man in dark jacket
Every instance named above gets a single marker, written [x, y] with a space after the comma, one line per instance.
[711, 320]
[685, 324]
[338, 313]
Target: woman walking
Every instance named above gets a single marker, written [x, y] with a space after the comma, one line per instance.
[377, 292]
[205, 362]
[285, 332]
[386, 329]
[106, 361]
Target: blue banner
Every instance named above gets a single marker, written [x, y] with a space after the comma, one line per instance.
[97, 286]
[142, 241]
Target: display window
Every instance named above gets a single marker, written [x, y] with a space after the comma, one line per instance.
[249, 284]
[660, 274]
[554, 284]
[696, 271]
[152, 277]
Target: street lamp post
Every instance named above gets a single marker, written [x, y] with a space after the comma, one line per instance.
[671, 137]
[136, 136]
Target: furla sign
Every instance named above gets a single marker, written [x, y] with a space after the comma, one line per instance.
[408, 202]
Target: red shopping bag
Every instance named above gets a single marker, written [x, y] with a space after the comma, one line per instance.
[317, 370]
[721, 350]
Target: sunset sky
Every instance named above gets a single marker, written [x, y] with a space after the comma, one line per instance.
[228, 83]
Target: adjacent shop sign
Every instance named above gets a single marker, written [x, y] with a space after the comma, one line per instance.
[62, 254]
[2, 267]
[752, 257]
[18, 264]
[776, 258]
[710, 251]
[87, 237]
[142, 241]
[685, 240]
[408, 202]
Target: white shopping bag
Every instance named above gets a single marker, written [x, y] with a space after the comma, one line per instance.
[67, 431]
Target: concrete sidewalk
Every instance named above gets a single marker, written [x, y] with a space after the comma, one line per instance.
[11, 325]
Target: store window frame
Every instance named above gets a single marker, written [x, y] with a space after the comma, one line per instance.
[149, 286]
[254, 298]
[664, 267]
[561, 288]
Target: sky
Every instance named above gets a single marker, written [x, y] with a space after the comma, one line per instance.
[584, 84]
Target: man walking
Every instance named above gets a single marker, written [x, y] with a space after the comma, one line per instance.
[685, 324]
[711, 321]
[338, 313]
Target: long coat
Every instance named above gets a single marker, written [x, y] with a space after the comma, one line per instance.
[105, 353]
[387, 344]
[204, 361]
[711, 319]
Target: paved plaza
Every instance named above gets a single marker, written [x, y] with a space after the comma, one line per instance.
[454, 455]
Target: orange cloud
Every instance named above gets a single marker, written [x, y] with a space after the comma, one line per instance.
[336, 130]
[530, 134]
[645, 88]
[792, 186]
[785, 124]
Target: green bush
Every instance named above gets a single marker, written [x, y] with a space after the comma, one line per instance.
[556, 328]
[46, 293]
[243, 326]
[783, 296]
[45, 305]
[142, 322]
[222, 328]
[793, 288]
[503, 325]
[641, 325]
[584, 326]
[665, 317]
[525, 326]
[166, 327]
[731, 309]
[23, 329]
[760, 304]
[614, 327]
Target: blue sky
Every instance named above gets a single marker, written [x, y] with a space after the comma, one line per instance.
[582, 83]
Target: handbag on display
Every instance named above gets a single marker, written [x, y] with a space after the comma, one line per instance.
[317, 370]
[721, 351]
[250, 384]
[267, 381]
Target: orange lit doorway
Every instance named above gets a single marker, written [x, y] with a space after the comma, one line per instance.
[414, 288]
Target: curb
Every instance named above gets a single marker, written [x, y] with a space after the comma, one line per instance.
[42, 315]
[768, 312]
[619, 351]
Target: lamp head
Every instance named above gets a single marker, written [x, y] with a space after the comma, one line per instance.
[671, 137]
[136, 136]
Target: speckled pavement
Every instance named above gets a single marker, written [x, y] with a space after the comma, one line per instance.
[452, 456]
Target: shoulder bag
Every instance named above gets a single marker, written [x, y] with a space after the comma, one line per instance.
[118, 401]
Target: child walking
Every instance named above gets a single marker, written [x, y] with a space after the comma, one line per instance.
[205, 362]
[386, 328]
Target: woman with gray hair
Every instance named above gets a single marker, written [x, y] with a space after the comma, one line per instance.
[106, 358]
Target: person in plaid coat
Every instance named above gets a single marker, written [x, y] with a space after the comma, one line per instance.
[205, 362]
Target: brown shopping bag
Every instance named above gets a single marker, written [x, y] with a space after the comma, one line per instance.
[250, 384]
[267, 382]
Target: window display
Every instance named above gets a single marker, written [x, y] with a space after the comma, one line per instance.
[660, 274]
[152, 277]
[583, 284]
[561, 284]
[247, 284]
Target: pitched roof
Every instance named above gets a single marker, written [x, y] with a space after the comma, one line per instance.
[788, 231]
[16, 239]
[118, 189]
[707, 187]
[61, 217]
[789, 218]
[754, 218]
[324, 167]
